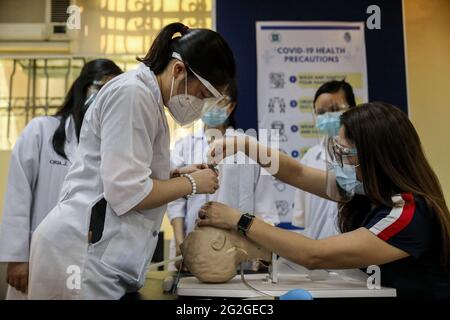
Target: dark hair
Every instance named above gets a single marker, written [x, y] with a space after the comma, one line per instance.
[73, 105]
[202, 50]
[336, 86]
[232, 92]
[392, 161]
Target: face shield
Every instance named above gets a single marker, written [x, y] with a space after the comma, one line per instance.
[186, 108]
[342, 163]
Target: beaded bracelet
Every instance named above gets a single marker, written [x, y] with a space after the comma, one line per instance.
[193, 183]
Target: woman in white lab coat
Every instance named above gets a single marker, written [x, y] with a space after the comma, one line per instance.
[97, 243]
[318, 215]
[242, 182]
[39, 163]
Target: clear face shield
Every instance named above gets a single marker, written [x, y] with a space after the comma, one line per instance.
[186, 108]
[342, 163]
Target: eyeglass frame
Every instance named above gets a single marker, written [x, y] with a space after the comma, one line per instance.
[339, 151]
[339, 108]
[205, 82]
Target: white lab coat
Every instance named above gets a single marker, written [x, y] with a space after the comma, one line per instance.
[124, 144]
[241, 186]
[36, 175]
[317, 215]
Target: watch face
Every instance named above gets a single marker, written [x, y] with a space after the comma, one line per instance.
[244, 222]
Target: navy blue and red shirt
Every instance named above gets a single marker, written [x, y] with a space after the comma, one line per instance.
[411, 226]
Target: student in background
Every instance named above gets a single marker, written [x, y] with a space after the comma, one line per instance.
[242, 182]
[318, 215]
[39, 163]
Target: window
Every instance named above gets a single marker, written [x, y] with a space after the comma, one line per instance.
[33, 83]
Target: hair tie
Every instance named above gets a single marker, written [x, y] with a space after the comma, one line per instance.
[184, 30]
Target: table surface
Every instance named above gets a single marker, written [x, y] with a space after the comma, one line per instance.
[334, 286]
[321, 284]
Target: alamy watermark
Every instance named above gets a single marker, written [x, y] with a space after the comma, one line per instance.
[374, 279]
[374, 20]
[73, 281]
[74, 20]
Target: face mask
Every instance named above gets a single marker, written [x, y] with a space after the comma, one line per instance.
[215, 117]
[184, 108]
[92, 92]
[89, 101]
[329, 123]
[360, 189]
[346, 178]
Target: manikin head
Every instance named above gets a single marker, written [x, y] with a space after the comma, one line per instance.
[212, 255]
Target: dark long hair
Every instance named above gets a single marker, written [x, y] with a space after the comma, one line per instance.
[94, 70]
[232, 92]
[392, 161]
[202, 50]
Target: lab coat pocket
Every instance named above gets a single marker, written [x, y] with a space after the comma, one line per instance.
[128, 251]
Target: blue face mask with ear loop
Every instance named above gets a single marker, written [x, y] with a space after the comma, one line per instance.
[346, 177]
[90, 99]
[329, 123]
[347, 180]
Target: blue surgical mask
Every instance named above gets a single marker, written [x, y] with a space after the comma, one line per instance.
[346, 179]
[360, 189]
[215, 117]
[329, 122]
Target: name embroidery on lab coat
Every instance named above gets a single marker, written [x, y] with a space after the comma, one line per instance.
[59, 163]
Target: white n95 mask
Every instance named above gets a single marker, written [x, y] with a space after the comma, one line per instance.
[184, 108]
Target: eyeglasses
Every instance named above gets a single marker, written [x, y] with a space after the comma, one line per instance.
[333, 108]
[340, 153]
[218, 99]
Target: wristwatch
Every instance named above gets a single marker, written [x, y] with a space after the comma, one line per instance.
[245, 223]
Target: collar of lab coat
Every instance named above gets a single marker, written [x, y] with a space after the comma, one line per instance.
[71, 134]
[71, 137]
[322, 154]
[149, 78]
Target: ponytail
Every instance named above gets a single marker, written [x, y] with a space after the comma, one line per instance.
[161, 50]
[202, 50]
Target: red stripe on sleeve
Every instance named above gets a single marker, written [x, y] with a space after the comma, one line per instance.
[404, 219]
